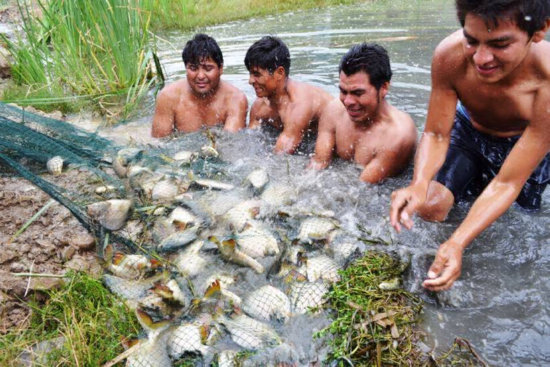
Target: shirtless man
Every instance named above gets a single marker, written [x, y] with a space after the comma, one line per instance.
[290, 106]
[363, 126]
[202, 99]
[489, 116]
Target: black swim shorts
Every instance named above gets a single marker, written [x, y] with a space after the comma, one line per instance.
[474, 159]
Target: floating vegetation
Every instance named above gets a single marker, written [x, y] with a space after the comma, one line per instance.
[75, 52]
[81, 324]
[372, 326]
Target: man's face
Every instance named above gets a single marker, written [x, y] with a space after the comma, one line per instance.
[359, 96]
[263, 82]
[204, 78]
[494, 52]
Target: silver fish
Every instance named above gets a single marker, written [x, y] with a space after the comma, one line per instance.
[322, 267]
[55, 165]
[178, 240]
[250, 333]
[276, 195]
[227, 358]
[165, 190]
[131, 266]
[187, 337]
[390, 285]
[150, 352]
[239, 215]
[184, 157]
[316, 228]
[267, 303]
[256, 241]
[304, 295]
[123, 158]
[129, 289]
[258, 179]
[182, 218]
[208, 151]
[230, 252]
[213, 184]
[111, 214]
[189, 262]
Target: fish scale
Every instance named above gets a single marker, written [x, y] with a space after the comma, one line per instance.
[267, 302]
[304, 295]
[186, 338]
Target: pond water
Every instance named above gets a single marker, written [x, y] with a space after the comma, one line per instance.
[501, 302]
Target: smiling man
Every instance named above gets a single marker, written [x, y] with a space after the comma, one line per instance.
[292, 107]
[202, 99]
[362, 126]
[487, 131]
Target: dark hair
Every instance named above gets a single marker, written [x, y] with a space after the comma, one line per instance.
[202, 47]
[268, 53]
[529, 15]
[371, 58]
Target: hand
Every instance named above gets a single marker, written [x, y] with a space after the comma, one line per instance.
[404, 203]
[446, 267]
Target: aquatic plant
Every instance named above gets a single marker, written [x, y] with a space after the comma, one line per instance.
[371, 325]
[97, 52]
[80, 316]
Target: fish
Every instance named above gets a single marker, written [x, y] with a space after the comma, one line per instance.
[208, 151]
[184, 156]
[153, 351]
[227, 358]
[390, 285]
[189, 262]
[250, 333]
[267, 303]
[123, 158]
[276, 195]
[343, 251]
[128, 266]
[305, 295]
[212, 184]
[55, 165]
[170, 291]
[178, 240]
[256, 241]
[258, 179]
[239, 215]
[182, 218]
[322, 267]
[187, 337]
[219, 283]
[315, 229]
[165, 190]
[230, 252]
[129, 289]
[111, 214]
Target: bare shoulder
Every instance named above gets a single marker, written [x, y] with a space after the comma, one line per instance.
[541, 52]
[334, 111]
[173, 91]
[306, 90]
[232, 93]
[448, 58]
[404, 124]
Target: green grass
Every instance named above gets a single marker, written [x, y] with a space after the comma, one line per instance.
[99, 51]
[190, 14]
[92, 321]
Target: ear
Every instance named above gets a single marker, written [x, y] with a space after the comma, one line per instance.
[539, 35]
[280, 73]
[384, 89]
[221, 69]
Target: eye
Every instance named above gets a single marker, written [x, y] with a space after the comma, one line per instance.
[471, 41]
[501, 45]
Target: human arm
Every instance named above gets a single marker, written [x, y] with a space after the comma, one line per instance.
[295, 123]
[434, 141]
[326, 139]
[256, 114]
[236, 115]
[497, 197]
[163, 120]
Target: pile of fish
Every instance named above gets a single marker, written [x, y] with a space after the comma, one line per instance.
[225, 263]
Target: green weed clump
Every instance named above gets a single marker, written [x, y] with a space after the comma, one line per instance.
[190, 14]
[372, 326]
[98, 52]
[88, 321]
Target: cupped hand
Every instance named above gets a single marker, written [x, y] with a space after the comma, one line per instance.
[404, 203]
[446, 267]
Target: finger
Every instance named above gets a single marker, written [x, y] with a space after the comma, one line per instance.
[397, 205]
[445, 281]
[405, 219]
[437, 267]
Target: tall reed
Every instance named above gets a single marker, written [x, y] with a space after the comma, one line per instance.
[97, 50]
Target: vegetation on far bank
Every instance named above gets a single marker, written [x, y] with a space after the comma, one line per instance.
[81, 324]
[101, 54]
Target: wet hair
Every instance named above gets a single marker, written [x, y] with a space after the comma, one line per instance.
[529, 15]
[202, 47]
[370, 58]
[268, 53]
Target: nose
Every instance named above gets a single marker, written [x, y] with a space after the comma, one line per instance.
[347, 99]
[483, 55]
[251, 79]
[201, 74]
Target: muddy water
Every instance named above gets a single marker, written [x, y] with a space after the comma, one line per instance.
[500, 304]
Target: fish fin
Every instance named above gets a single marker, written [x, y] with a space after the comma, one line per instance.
[108, 253]
[204, 331]
[213, 289]
[117, 258]
[214, 239]
[147, 321]
[231, 243]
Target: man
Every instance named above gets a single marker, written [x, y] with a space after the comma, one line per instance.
[287, 105]
[202, 99]
[497, 68]
[363, 126]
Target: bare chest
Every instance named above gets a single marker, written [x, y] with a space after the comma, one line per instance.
[359, 145]
[190, 116]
